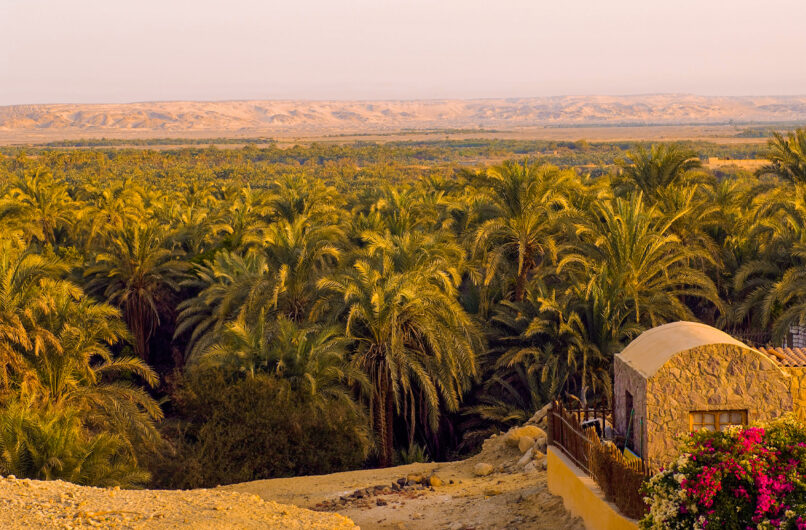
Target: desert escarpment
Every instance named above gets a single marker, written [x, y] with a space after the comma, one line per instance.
[323, 116]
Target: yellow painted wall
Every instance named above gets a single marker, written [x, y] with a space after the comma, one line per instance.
[581, 496]
[797, 384]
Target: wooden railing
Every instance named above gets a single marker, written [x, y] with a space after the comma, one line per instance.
[565, 431]
[619, 477]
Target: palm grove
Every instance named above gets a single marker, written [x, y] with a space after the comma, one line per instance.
[203, 316]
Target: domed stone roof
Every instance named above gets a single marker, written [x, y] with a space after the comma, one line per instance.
[654, 347]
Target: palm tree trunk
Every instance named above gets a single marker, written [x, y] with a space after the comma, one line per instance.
[382, 423]
[390, 433]
[520, 283]
[135, 315]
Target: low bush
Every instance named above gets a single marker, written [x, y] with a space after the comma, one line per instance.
[52, 442]
[237, 429]
[746, 477]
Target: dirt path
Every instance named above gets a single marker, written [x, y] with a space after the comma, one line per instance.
[509, 497]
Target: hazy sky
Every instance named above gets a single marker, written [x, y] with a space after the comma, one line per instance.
[142, 50]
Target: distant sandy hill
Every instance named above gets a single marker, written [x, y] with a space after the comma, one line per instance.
[322, 117]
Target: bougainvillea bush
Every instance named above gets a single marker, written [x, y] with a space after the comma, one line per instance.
[745, 477]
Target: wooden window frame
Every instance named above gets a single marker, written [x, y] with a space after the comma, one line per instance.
[716, 413]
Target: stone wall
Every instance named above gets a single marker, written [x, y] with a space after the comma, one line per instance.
[711, 377]
[626, 378]
[797, 384]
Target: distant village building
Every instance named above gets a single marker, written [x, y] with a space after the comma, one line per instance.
[797, 337]
[686, 376]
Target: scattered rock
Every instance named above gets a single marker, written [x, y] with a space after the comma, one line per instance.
[539, 416]
[414, 478]
[526, 443]
[513, 437]
[526, 458]
[435, 481]
[482, 469]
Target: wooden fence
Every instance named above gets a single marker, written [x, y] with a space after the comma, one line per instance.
[619, 477]
[566, 432]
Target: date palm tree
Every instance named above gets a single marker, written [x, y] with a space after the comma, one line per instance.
[771, 286]
[82, 374]
[241, 221]
[566, 341]
[651, 171]
[300, 252]
[526, 203]
[53, 443]
[39, 205]
[787, 156]
[226, 291]
[411, 338]
[21, 295]
[111, 207]
[138, 272]
[312, 359]
[630, 254]
[278, 274]
[300, 196]
[69, 409]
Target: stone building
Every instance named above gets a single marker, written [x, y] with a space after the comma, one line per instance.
[796, 337]
[685, 376]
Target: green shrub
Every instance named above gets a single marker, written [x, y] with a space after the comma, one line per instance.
[254, 427]
[415, 453]
[52, 443]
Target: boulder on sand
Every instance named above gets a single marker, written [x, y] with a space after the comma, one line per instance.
[482, 469]
[513, 437]
[414, 478]
[539, 416]
[526, 458]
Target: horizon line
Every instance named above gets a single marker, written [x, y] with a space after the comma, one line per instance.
[408, 100]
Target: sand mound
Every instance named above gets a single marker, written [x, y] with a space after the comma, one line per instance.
[56, 504]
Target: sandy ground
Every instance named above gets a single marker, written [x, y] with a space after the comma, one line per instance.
[55, 504]
[508, 498]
